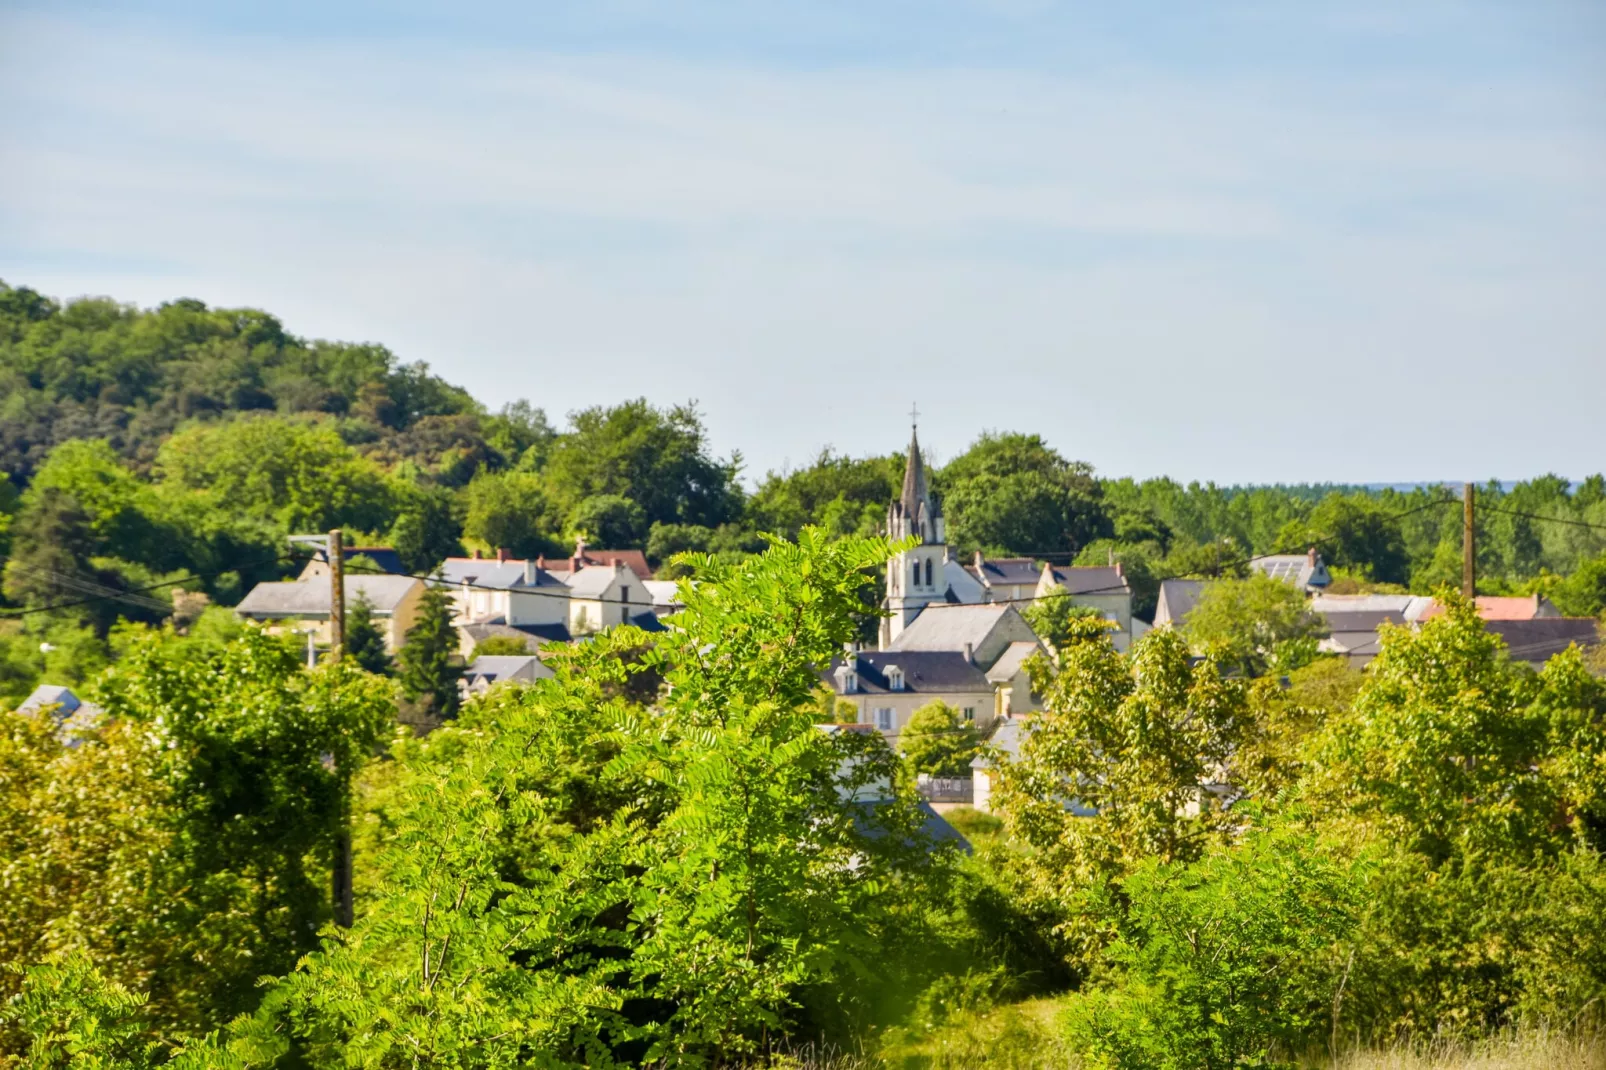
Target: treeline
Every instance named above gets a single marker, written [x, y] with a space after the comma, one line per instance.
[657, 858]
[148, 451]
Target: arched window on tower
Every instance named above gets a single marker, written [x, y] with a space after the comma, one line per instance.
[915, 579]
[928, 572]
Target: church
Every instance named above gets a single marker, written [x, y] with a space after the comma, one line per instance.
[929, 574]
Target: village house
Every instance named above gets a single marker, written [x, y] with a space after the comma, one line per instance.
[488, 670]
[304, 606]
[887, 686]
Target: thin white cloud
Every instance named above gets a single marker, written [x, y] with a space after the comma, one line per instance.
[1162, 274]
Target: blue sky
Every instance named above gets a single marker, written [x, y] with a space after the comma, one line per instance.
[1236, 241]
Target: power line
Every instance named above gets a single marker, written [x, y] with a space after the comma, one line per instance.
[152, 587]
[1550, 519]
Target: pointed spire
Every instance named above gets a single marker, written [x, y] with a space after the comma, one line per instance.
[914, 478]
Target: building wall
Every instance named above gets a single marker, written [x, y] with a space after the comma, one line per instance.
[904, 703]
[623, 598]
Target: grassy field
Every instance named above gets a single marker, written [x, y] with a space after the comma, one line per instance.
[1026, 1036]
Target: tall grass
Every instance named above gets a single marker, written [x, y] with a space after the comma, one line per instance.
[1026, 1036]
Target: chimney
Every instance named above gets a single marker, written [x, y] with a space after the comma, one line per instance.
[1118, 573]
[1310, 556]
[540, 560]
[531, 569]
[970, 654]
[978, 562]
[501, 555]
[476, 555]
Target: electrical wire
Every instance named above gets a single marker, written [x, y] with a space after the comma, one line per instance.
[1550, 519]
[13, 613]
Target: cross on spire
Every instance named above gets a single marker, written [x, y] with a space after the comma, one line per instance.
[914, 416]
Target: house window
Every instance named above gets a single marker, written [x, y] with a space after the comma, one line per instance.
[624, 594]
[928, 572]
[883, 718]
[915, 579]
[970, 713]
[894, 678]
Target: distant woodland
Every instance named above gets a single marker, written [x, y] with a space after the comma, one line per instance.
[178, 446]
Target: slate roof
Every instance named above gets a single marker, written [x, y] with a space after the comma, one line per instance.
[1091, 579]
[310, 598]
[385, 557]
[1541, 638]
[1361, 621]
[1006, 739]
[1297, 569]
[533, 635]
[934, 826]
[491, 668]
[924, 672]
[594, 581]
[665, 593]
[1010, 661]
[1407, 606]
[506, 575]
[1179, 597]
[950, 627]
[1007, 570]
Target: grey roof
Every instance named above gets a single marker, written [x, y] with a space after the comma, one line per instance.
[924, 671]
[1006, 740]
[1092, 579]
[1297, 569]
[1406, 606]
[1010, 661]
[665, 593]
[59, 696]
[934, 826]
[1541, 638]
[593, 581]
[310, 598]
[1010, 570]
[533, 635]
[506, 575]
[1361, 620]
[950, 627]
[491, 668]
[1180, 596]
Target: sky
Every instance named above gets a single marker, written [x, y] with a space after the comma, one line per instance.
[1240, 242]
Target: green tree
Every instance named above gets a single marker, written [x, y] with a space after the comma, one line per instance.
[301, 477]
[843, 495]
[1059, 621]
[429, 667]
[512, 510]
[1011, 494]
[654, 856]
[1117, 769]
[1583, 594]
[184, 843]
[657, 458]
[608, 520]
[365, 641]
[1223, 962]
[426, 531]
[1255, 624]
[1355, 532]
[938, 741]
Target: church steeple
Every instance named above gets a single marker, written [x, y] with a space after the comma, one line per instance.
[916, 577]
[915, 512]
[915, 492]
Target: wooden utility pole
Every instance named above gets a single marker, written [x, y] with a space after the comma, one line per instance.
[1469, 542]
[341, 878]
[337, 595]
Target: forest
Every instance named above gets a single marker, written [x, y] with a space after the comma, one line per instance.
[1212, 850]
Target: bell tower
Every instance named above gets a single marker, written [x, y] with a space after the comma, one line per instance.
[915, 578]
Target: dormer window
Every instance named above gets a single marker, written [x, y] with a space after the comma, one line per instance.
[894, 678]
[847, 681]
